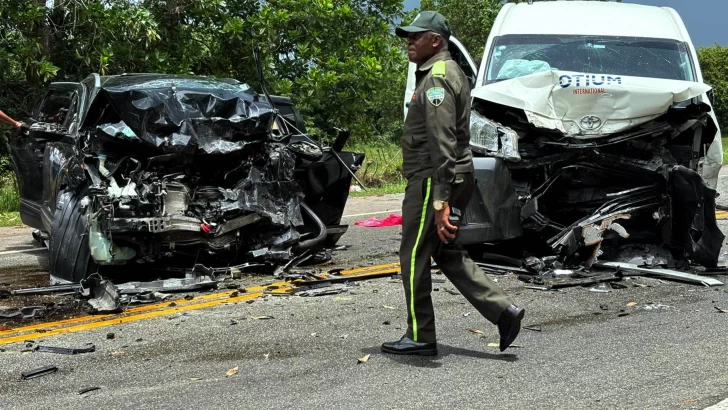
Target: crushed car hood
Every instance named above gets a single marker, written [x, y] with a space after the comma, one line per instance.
[180, 113]
[588, 106]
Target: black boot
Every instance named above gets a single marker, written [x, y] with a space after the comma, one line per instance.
[509, 325]
[405, 345]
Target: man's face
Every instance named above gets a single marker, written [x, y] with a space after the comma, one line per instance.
[422, 46]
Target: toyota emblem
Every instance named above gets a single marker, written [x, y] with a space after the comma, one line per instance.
[590, 122]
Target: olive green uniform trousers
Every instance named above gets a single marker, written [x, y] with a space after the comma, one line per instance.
[420, 242]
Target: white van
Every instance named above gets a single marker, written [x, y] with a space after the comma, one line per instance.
[591, 127]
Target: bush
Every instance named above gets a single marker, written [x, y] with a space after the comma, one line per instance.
[9, 199]
[382, 165]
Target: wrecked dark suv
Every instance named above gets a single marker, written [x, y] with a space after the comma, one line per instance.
[170, 171]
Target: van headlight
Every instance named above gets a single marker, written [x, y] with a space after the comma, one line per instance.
[492, 139]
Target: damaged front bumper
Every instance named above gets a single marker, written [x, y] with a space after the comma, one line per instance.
[590, 183]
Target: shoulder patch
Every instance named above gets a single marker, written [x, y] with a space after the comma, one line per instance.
[436, 95]
[438, 69]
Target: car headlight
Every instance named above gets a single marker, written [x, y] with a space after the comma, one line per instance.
[492, 139]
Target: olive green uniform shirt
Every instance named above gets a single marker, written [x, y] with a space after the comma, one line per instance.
[436, 137]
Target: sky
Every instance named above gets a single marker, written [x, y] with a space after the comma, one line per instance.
[704, 19]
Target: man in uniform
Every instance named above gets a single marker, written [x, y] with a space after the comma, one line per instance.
[438, 165]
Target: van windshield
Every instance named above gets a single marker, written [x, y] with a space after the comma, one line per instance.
[518, 55]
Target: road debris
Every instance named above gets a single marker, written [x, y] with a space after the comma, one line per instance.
[110, 336]
[232, 372]
[105, 297]
[389, 307]
[28, 312]
[720, 310]
[497, 345]
[631, 304]
[476, 331]
[262, 317]
[43, 371]
[600, 290]
[364, 359]
[374, 222]
[535, 328]
[655, 306]
[628, 269]
[88, 390]
[65, 350]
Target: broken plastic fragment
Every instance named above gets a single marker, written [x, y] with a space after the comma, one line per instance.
[476, 331]
[364, 359]
[232, 372]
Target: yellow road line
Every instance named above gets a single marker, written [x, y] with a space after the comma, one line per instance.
[127, 319]
[128, 312]
[164, 308]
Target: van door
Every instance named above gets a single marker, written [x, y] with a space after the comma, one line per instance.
[459, 54]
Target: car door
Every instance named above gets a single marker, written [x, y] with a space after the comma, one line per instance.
[459, 54]
[54, 121]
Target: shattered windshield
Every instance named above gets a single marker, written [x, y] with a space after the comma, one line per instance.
[519, 55]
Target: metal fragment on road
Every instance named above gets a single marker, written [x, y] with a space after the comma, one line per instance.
[721, 310]
[65, 350]
[105, 296]
[28, 312]
[88, 390]
[42, 371]
[662, 273]
[535, 328]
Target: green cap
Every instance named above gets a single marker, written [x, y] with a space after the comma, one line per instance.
[426, 21]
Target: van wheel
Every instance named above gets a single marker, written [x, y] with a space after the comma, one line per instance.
[70, 257]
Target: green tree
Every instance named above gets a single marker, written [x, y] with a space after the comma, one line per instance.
[714, 65]
[338, 59]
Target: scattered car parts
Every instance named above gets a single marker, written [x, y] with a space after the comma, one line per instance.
[65, 350]
[43, 371]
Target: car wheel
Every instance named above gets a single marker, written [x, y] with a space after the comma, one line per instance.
[70, 256]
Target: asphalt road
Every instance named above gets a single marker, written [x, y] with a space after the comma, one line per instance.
[666, 353]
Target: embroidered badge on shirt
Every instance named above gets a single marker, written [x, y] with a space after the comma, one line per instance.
[436, 95]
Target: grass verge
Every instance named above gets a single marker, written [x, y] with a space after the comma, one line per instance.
[382, 163]
[10, 219]
[725, 150]
[397, 188]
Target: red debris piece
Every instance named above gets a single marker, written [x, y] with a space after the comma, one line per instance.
[391, 220]
[205, 228]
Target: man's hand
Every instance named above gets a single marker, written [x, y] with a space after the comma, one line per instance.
[445, 230]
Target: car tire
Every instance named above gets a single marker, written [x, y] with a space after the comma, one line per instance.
[70, 256]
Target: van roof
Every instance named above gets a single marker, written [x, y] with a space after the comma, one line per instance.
[589, 18]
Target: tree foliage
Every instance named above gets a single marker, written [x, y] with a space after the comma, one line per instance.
[714, 65]
[338, 59]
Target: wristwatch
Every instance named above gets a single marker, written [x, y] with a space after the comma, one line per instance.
[439, 205]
